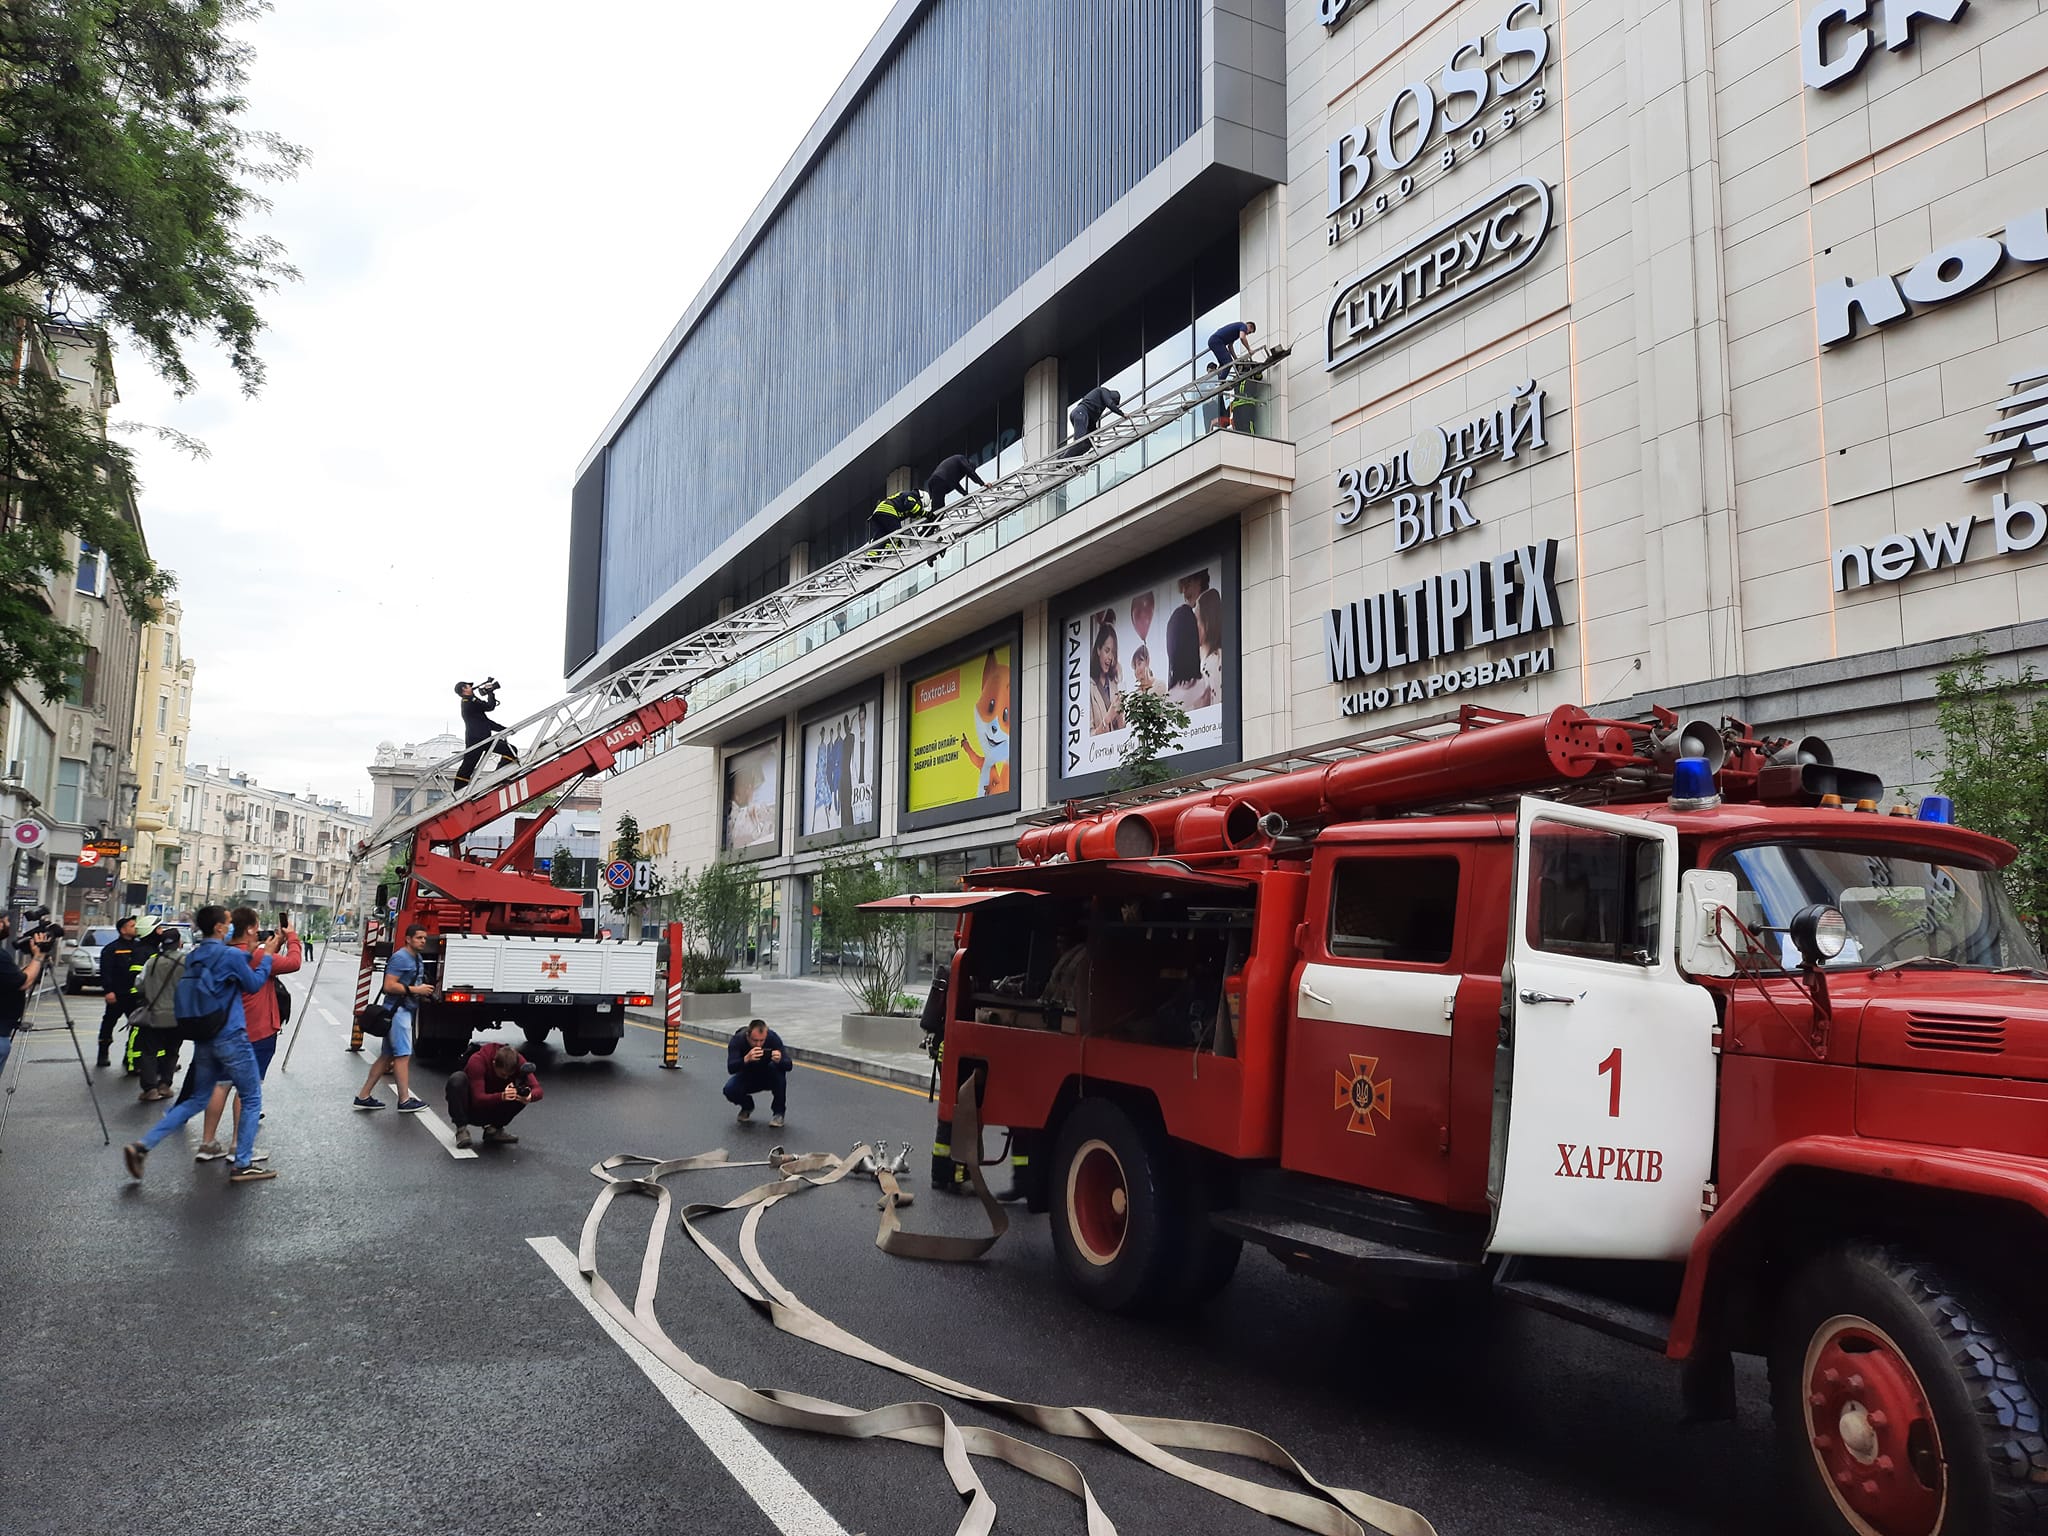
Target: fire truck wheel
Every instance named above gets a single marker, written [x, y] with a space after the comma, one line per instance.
[605, 1046]
[573, 1043]
[536, 1034]
[1900, 1411]
[1117, 1220]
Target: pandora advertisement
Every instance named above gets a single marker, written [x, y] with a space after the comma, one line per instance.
[1168, 629]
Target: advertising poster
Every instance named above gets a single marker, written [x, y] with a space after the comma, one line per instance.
[841, 764]
[752, 800]
[1168, 628]
[960, 730]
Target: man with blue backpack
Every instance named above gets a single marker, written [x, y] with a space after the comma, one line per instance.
[209, 1014]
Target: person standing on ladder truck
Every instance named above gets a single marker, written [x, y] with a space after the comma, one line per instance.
[478, 700]
[1086, 416]
[1224, 342]
[951, 475]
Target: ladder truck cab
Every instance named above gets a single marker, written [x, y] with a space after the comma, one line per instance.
[505, 946]
[1654, 1025]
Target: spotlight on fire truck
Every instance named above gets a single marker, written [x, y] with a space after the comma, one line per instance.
[1689, 738]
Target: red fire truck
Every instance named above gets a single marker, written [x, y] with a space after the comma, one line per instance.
[1651, 1024]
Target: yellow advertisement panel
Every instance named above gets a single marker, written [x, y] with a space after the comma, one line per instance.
[960, 732]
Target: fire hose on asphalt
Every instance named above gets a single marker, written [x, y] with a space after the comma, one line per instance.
[1325, 1510]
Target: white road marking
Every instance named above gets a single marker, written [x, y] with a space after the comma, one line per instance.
[784, 1500]
[438, 1129]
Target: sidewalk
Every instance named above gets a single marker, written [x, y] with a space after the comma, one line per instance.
[805, 1011]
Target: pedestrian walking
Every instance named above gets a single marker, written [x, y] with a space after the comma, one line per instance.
[404, 986]
[209, 1009]
[1086, 415]
[758, 1060]
[950, 476]
[155, 1015]
[1225, 341]
[494, 1085]
[261, 1012]
[120, 966]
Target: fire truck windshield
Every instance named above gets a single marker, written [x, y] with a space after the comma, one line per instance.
[1900, 903]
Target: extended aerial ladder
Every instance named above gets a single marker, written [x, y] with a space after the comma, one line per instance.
[583, 733]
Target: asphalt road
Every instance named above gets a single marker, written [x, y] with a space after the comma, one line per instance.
[375, 1341]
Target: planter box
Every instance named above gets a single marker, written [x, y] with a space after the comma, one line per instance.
[701, 1006]
[880, 1032]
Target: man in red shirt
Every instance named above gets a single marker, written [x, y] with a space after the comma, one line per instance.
[492, 1087]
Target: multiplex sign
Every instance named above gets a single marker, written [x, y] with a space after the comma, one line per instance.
[1834, 39]
[1845, 308]
[1447, 264]
[1427, 480]
[1500, 598]
[1424, 127]
[1334, 13]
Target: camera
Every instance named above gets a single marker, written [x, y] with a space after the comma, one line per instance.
[37, 931]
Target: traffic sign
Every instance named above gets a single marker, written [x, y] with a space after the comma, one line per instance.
[618, 874]
[26, 834]
[88, 856]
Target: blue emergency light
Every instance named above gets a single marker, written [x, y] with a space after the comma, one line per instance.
[1692, 785]
[1938, 808]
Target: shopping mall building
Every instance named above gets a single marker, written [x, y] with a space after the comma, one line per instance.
[1692, 351]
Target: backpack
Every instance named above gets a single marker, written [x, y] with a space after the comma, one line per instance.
[195, 1020]
[284, 1000]
[156, 992]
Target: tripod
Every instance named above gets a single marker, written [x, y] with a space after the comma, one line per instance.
[47, 984]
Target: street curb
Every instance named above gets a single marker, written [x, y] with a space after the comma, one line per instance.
[886, 1071]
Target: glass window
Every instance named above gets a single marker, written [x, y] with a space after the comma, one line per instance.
[184, 702]
[92, 570]
[1393, 909]
[1594, 894]
[70, 789]
[156, 781]
[163, 712]
[170, 643]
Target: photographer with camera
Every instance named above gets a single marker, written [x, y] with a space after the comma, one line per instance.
[492, 1087]
[18, 979]
[478, 700]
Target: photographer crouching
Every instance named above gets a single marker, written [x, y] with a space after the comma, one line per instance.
[490, 1090]
[19, 977]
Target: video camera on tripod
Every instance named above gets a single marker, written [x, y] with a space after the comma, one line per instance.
[37, 931]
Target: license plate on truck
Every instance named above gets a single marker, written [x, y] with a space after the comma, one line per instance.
[548, 997]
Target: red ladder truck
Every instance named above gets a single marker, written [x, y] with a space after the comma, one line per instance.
[1649, 1024]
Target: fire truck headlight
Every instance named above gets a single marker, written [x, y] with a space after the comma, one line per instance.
[1820, 932]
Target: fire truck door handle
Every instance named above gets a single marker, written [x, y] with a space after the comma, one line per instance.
[1314, 996]
[1531, 995]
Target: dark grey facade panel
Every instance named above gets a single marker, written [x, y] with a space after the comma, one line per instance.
[992, 138]
[586, 553]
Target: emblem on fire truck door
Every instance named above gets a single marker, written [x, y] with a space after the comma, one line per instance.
[554, 967]
[1357, 1092]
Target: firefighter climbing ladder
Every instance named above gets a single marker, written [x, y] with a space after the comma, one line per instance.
[718, 645]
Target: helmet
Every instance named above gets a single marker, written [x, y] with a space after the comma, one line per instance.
[145, 925]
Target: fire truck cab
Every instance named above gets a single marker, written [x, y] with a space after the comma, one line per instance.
[1532, 1012]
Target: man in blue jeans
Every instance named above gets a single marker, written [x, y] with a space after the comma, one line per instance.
[757, 1059]
[216, 977]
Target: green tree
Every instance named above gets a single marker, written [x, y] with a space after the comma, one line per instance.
[126, 184]
[873, 947]
[565, 872]
[1156, 726]
[1994, 765]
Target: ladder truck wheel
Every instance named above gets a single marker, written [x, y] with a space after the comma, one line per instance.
[536, 1034]
[1118, 1208]
[1901, 1409]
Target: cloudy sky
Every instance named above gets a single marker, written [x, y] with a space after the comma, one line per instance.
[506, 209]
